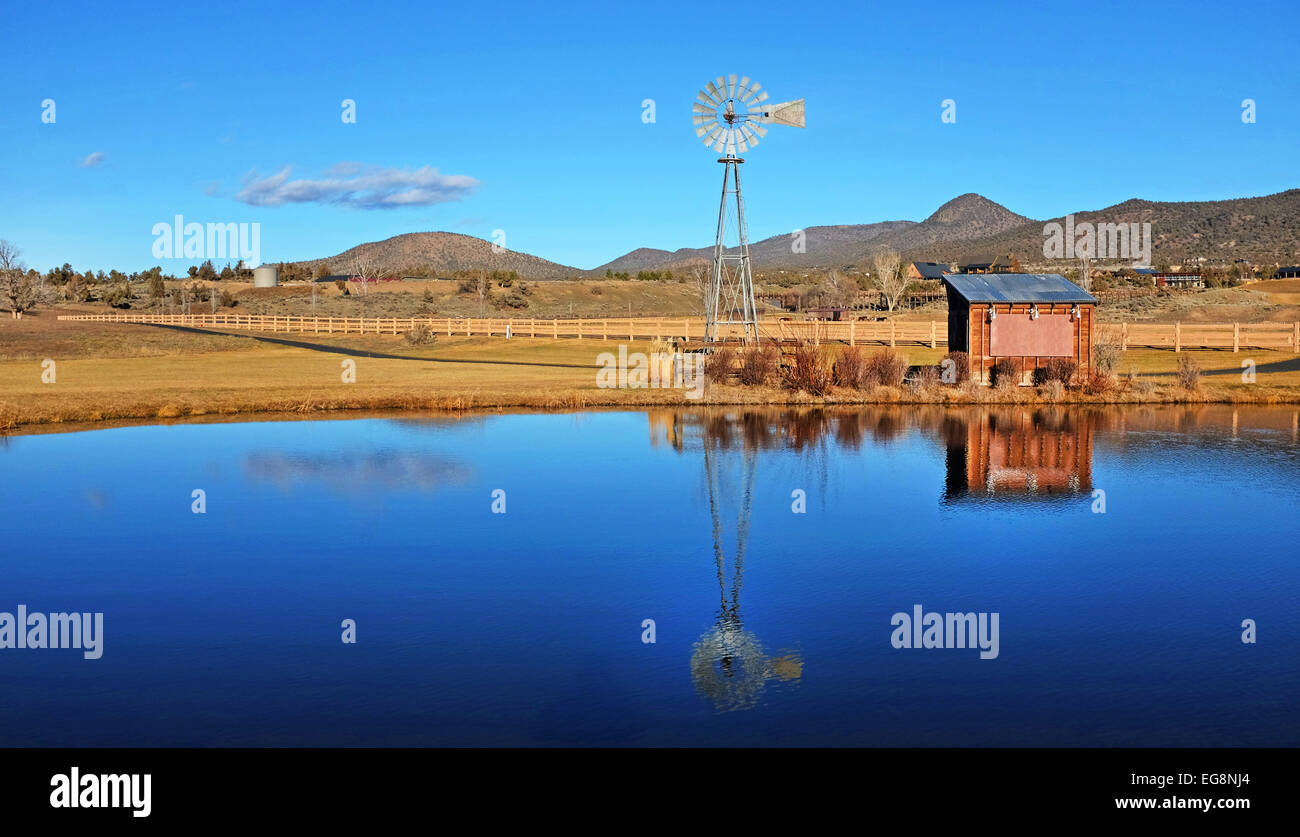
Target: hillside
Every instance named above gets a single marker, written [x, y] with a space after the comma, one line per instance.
[966, 217]
[1265, 230]
[970, 227]
[441, 253]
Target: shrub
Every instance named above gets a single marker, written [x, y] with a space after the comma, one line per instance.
[341, 284]
[757, 364]
[421, 334]
[1099, 383]
[810, 373]
[721, 365]
[1189, 373]
[926, 379]
[1142, 386]
[960, 368]
[1105, 351]
[514, 299]
[1058, 369]
[1005, 373]
[118, 296]
[885, 369]
[1051, 390]
[227, 299]
[847, 371]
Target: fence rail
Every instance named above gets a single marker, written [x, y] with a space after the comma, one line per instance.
[933, 333]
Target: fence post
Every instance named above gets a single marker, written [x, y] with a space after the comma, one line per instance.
[853, 327]
[1123, 336]
[1178, 337]
[686, 329]
[891, 334]
[933, 337]
[604, 329]
[1236, 336]
[555, 328]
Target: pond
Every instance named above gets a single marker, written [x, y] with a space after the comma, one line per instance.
[888, 576]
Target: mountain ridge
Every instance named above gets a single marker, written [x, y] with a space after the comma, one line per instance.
[969, 227]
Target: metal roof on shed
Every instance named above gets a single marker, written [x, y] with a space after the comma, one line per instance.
[1016, 287]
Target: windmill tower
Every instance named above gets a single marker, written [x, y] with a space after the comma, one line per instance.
[730, 116]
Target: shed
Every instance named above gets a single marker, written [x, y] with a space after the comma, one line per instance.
[1028, 318]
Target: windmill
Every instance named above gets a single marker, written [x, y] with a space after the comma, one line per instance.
[730, 116]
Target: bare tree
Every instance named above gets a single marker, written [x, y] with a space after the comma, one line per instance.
[836, 290]
[364, 272]
[702, 273]
[890, 277]
[17, 285]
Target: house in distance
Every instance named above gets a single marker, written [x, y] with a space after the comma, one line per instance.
[1028, 318]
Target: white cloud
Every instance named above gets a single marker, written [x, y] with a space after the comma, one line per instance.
[94, 160]
[359, 187]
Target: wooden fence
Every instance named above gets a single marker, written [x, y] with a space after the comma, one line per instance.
[1179, 336]
[930, 333]
[933, 333]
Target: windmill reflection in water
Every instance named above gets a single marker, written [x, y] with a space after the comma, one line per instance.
[728, 664]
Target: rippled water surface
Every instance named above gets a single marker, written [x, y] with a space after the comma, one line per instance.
[1121, 551]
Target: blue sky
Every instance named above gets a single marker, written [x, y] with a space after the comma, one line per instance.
[1060, 107]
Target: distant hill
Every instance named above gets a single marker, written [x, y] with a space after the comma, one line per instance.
[970, 227]
[443, 253]
[1265, 230]
[965, 217]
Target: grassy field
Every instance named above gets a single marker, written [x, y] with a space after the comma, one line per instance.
[106, 371]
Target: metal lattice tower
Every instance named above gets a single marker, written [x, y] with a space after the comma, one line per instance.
[731, 286]
[730, 116]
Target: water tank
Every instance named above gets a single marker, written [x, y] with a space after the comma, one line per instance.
[265, 277]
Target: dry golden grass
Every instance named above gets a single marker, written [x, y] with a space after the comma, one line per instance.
[108, 371]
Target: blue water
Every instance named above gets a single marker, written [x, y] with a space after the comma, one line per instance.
[525, 628]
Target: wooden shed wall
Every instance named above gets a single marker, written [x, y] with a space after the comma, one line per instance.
[971, 321]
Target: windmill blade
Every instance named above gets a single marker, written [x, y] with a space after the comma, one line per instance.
[721, 141]
[742, 89]
[712, 87]
[753, 91]
[749, 135]
[706, 100]
[760, 130]
[786, 113]
[762, 97]
[712, 135]
[702, 108]
[702, 120]
[731, 86]
[741, 146]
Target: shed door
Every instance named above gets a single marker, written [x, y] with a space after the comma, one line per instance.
[1016, 335]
